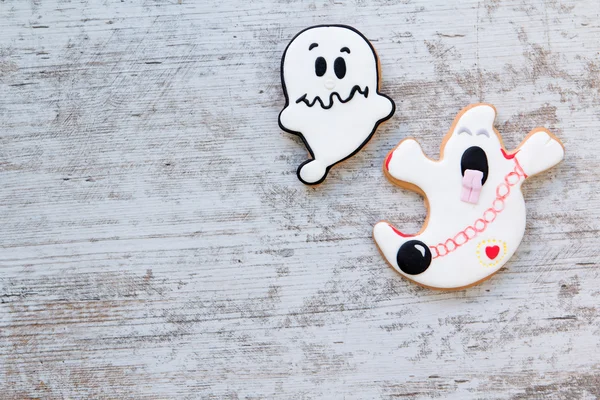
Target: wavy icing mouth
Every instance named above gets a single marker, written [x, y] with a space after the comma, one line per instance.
[355, 89]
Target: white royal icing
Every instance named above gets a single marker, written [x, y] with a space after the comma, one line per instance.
[486, 231]
[331, 83]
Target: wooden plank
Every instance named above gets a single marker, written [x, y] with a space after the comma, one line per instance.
[155, 242]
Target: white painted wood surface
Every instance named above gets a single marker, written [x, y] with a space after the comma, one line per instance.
[155, 242]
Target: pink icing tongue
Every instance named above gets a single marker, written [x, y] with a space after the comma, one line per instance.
[471, 186]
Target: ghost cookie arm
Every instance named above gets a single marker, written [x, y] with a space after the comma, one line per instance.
[385, 107]
[408, 163]
[540, 151]
[290, 119]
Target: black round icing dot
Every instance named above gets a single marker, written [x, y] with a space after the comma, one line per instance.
[413, 257]
[339, 66]
[320, 66]
[474, 158]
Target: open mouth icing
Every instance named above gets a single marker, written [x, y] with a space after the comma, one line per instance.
[355, 89]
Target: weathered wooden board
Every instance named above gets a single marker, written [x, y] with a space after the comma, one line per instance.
[155, 242]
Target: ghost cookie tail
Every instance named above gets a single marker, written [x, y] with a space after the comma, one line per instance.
[312, 172]
[405, 253]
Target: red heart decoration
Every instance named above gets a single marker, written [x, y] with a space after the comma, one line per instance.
[492, 251]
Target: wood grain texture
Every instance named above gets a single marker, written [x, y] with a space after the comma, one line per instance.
[155, 242]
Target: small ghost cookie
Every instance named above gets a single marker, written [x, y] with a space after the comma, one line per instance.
[330, 77]
[476, 209]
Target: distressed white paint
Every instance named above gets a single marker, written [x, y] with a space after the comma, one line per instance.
[156, 243]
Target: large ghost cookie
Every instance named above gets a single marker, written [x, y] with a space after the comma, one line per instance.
[330, 77]
[476, 209]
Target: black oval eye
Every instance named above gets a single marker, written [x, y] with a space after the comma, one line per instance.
[475, 158]
[339, 66]
[320, 66]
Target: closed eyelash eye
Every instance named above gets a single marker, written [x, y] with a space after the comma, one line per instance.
[464, 130]
[483, 132]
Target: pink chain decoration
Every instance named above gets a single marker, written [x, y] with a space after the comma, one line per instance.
[489, 215]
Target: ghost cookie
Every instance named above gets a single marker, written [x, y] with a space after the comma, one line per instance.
[476, 209]
[330, 77]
